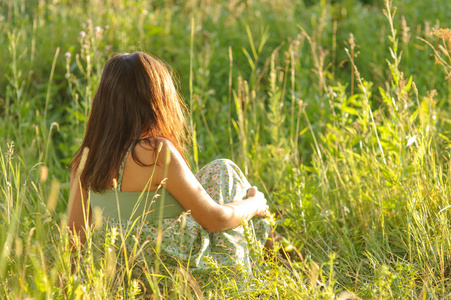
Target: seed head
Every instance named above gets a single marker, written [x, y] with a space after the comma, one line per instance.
[43, 173]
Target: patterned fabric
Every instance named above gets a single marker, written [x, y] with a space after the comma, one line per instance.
[186, 243]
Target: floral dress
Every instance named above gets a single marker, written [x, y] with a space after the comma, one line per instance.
[187, 245]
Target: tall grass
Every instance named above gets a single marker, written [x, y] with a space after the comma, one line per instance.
[338, 111]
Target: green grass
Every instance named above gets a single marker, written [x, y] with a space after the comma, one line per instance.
[350, 146]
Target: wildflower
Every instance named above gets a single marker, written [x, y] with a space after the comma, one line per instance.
[82, 34]
[98, 31]
[326, 214]
[270, 217]
[67, 55]
[114, 234]
[345, 210]
[411, 140]
[107, 27]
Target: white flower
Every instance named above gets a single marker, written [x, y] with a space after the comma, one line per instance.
[411, 140]
[114, 234]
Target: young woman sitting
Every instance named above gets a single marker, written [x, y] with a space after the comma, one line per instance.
[131, 165]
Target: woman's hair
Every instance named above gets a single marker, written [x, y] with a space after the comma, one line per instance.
[136, 101]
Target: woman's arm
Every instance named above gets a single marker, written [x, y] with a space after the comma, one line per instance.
[184, 186]
[80, 214]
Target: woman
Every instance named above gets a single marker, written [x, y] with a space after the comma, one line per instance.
[137, 110]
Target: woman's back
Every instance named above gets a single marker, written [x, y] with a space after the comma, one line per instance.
[139, 192]
[146, 176]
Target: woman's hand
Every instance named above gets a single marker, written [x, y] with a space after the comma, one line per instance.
[259, 198]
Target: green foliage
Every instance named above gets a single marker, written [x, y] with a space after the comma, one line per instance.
[336, 109]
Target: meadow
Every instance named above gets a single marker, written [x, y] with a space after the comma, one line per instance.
[338, 110]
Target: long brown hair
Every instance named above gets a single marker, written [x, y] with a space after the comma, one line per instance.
[136, 99]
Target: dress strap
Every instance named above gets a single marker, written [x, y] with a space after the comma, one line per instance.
[121, 170]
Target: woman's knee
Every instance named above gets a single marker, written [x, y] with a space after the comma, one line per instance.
[219, 164]
[226, 169]
[224, 162]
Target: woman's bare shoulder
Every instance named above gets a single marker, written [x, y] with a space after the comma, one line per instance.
[147, 149]
[154, 150]
[144, 163]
